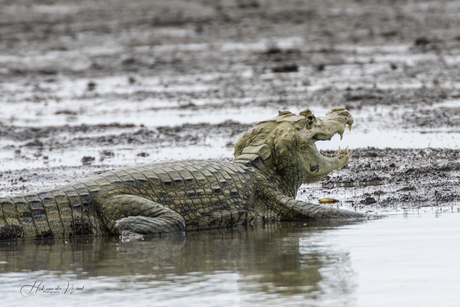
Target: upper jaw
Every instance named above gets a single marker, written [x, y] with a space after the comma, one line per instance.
[334, 122]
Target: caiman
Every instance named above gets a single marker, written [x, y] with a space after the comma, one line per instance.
[271, 161]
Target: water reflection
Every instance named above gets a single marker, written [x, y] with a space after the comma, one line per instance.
[261, 258]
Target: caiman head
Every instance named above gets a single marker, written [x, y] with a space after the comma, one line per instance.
[286, 144]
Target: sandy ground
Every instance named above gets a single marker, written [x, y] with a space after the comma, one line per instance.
[89, 86]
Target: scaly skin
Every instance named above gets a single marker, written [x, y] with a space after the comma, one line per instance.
[272, 160]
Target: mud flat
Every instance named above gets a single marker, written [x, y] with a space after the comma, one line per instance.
[90, 86]
[86, 87]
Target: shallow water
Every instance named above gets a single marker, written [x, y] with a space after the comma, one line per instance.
[402, 260]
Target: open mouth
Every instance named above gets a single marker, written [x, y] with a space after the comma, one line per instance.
[325, 161]
[339, 153]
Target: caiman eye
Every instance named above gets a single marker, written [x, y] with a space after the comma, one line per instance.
[309, 122]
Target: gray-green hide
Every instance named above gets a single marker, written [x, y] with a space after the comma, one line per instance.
[272, 160]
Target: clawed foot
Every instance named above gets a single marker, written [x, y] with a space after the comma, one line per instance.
[127, 236]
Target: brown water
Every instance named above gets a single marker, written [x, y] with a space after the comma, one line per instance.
[403, 260]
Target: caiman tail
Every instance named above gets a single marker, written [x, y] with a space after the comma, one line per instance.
[62, 212]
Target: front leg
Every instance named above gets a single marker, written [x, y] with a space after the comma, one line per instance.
[138, 215]
[293, 209]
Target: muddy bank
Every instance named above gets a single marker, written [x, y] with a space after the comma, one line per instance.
[87, 87]
[68, 137]
[394, 179]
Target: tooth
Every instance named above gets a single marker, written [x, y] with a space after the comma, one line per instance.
[341, 136]
[346, 150]
[349, 127]
[339, 150]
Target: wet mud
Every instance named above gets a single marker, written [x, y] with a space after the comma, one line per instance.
[88, 87]
[393, 179]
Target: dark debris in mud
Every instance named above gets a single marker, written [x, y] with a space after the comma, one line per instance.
[357, 98]
[67, 137]
[22, 134]
[399, 177]
[133, 24]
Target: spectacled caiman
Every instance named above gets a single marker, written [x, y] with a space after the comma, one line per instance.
[271, 161]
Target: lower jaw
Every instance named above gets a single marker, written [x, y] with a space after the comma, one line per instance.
[314, 178]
